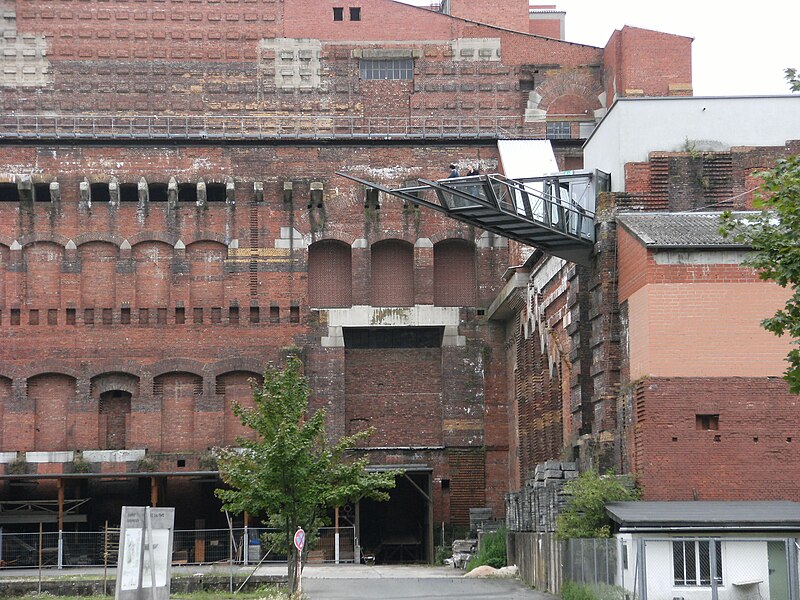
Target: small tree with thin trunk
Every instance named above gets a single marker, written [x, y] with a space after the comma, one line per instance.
[290, 472]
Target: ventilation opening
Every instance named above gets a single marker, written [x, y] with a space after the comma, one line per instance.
[157, 192]
[15, 316]
[294, 314]
[41, 192]
[33, 317]
[393, 337]
[100, 192]
[88, 316]
[125, 315]
[180, 315]
[128, 192]
[274, 314]
[255, 317]
[233, 315]
[707, 422]
[9, 192]
[70, 316]
[216, 192]
[187, 192]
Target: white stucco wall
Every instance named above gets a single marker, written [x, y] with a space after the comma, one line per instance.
[634, 127]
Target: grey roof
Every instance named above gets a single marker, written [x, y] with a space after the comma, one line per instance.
[678, 230]
[758, 516]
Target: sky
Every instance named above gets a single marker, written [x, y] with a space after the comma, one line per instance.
[738, 48]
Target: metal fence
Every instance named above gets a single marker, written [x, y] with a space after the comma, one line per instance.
[244, 546]
[256, 127]
[719, 568]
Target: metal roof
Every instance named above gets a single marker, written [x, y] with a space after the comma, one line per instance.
[678, 230]
[738, 515]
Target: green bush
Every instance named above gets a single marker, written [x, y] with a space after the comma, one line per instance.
[585, 514]
[492, 551]
[599, 591]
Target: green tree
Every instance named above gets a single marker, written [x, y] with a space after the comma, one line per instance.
[291, 473]
[793, 78]
[774, 236]
[585, 515]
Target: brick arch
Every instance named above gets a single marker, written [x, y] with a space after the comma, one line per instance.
[332, 235]
[205, 236]
[392, 273]
[378, 237]
[153, 236]
[52, 366]
[173, 365]
[330, 274]
[42, 237]
[570, 105]
[88, 238]
[235, 364]
[114, 380]
[454, 273]
[573, 82]
[462, 232]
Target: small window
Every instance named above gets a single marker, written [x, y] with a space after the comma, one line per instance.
[144, 316]
[161, 316]
[88, 316]
[70, 316]
[707, 422]
[9, 192]
[100, 193]
[198, 316]
[294, 314]
[255, 316]
[15, 316]
[559, 130]
[355, 13]
[125, 315]
[274, 314]
[216, 192]
[216, 314]
[401, 68]
[180, 315]
[108, 316]
[187, 192]
[52, 316]
[691, 562]
[128, 192]
[338, 13]
[233, 315]
[33, 317]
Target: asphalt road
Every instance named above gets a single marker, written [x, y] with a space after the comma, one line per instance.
[407, 583]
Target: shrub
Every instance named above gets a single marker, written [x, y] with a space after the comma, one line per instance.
[600, 591]
[585, 515]
[492, 551]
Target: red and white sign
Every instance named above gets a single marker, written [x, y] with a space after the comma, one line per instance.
[299, 539]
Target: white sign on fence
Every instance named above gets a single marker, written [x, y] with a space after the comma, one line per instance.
[146, 539]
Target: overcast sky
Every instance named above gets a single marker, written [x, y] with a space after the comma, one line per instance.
[739, 48]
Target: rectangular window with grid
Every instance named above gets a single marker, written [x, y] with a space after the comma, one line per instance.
[398, 68]
[691, 562]
[559, 130]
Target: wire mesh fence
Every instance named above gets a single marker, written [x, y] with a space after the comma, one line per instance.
[244, 546]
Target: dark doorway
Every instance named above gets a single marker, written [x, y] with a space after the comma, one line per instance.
[398, 530]
[115, 409]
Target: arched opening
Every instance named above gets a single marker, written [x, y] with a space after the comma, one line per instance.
[454, 277]
[330, 274]
[392, 273]
[114, 414]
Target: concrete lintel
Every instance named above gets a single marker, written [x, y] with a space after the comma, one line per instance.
[500, 308]
[50, 457]
[7, 457]
[113, 456]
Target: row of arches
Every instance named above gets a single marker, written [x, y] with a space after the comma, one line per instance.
[174, 415]
[151, 268]
[392, 270]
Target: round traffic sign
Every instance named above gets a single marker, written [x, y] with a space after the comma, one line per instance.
[299, 539]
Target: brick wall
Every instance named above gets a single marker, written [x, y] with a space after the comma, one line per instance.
[749, 457]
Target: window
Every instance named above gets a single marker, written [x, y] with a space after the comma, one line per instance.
[559, 130]
[255, 316]
[338, 13]
[691, 562]
[706, 422]
[33, 317]
[197, 316]
[355, 13]
[274, 314]
[88, 316]
[70, 316]
[294, 314]
[15, 316]
[125, 315]
[216, 314]
[233, 315]
[180, 315]
[400, 68]
[144, 316]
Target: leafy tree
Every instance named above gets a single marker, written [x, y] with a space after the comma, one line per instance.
[793, 78]
[774, 235]
[290, 472]
[585, 515]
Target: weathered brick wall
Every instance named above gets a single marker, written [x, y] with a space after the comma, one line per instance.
[749, 457]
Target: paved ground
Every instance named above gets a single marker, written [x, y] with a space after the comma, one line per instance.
[357, 582]
[351, 582]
